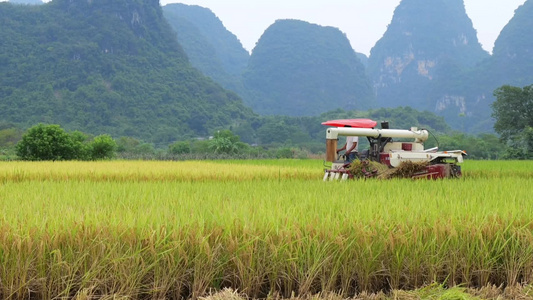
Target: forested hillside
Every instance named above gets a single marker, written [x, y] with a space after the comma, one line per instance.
[106, 66]
[211, 48]
[302, 69]
[512, 61]
[510, 64]
[429, 59]
[117, 67]
[308, 130]
[427, 42]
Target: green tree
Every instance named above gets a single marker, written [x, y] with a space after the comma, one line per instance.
[225, 141]
[181, 147]
[46, 142]
[80, 145]
[513, 111]
[522, 146]
[103, 147]
[483, 146]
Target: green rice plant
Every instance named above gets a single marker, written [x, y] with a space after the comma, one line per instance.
[141, 171]
[146, 230]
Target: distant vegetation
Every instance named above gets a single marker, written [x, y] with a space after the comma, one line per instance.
[51, 142]
[427, 62]
[422, 61]
[209, 46]
[106, 66]
[296, 69]
[289, 137]
[303, 69]
[418, 55]
[513, 111]
[512, 62]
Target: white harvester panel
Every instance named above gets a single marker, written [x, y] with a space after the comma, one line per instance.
[396, 157]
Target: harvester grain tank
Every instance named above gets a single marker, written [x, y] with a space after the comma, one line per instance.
[383, 149]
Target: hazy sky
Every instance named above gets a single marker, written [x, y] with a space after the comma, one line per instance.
[363, 21]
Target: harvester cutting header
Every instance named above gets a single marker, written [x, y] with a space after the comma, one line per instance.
[429, 163]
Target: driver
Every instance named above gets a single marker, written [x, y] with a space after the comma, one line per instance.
[351, 148]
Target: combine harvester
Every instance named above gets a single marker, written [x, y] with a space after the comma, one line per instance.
[431, 163]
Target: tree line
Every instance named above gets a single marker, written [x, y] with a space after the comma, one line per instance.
[282, 137]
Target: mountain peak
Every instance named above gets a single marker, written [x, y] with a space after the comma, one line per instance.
[516, 36]
[298, 68]
[512, 61]
[426, 40]
[210, 46]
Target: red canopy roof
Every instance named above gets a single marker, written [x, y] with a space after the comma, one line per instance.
[355, 123]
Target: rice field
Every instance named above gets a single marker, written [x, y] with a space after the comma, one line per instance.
[173, 230]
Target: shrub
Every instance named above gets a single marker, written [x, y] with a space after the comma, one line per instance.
[51, 142]
[225, 142]
[182, 147]
[46, 142]
[103, 147]
[80, 146]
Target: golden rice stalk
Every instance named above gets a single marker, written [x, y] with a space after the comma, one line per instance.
[225, 294]
[366, 169]
[370, 169]
[406, 169]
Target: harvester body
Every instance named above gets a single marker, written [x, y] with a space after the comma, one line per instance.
[439, 164]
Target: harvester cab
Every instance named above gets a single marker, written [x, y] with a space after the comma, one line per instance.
[430, 163]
